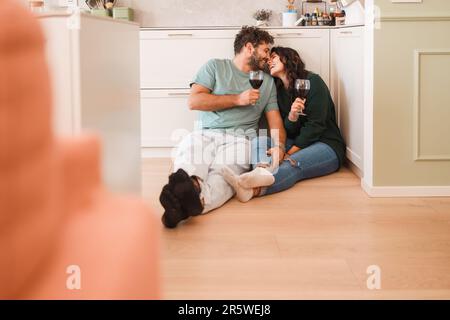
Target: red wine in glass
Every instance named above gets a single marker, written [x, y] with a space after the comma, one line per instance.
[301, 88]
[256, 79]
[256, 83]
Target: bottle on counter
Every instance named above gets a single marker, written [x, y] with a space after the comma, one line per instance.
[314, 19]
[316, 11]
[320, 21]
[332, 17]
[307, 19]
[326, 19]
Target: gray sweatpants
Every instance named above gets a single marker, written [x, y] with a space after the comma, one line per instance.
[203, 153]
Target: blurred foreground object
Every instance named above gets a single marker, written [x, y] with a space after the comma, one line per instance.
[36, 6]
[94, 69]
[54, 211]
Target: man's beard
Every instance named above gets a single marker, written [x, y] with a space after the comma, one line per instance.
[255, 63]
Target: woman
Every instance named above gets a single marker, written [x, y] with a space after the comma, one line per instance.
[314, 146]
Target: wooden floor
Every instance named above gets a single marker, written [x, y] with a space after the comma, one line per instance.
[314, 241]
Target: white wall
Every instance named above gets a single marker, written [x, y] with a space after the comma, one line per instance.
[191, 13]
[182, 13]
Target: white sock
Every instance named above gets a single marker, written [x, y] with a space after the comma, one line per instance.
[258, 177]
[243, 194]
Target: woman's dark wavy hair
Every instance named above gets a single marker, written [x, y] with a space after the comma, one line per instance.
[294, 65]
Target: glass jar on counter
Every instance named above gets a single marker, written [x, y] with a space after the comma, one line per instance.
[326, 19]
[340, 18]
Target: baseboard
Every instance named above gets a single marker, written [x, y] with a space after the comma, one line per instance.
[406, 191]
[353, 168]
[354, 158]
[156, 152]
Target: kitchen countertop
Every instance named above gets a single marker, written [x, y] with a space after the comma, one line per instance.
[238, 27]
[69, 13]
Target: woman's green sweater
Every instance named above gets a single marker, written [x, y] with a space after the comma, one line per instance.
[319, 124]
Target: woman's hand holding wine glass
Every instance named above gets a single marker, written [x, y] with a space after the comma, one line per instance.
[301, 90]
[297, 108]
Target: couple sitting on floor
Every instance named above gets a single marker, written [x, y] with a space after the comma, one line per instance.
[213, 163]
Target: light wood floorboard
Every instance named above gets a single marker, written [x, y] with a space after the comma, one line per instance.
[314, 241]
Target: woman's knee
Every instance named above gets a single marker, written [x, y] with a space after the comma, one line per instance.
[287, 174]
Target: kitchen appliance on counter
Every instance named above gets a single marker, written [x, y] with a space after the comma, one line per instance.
[289, 18]
[354, 11]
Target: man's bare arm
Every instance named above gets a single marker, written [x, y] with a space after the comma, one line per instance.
[278, 134]
[202, 99]
[277, 131]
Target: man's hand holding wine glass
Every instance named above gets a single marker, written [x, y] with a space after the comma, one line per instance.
[248, 97]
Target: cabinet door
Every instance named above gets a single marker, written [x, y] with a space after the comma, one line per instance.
[170, 59]
[311, 44]
[348, 88]
[165, 117]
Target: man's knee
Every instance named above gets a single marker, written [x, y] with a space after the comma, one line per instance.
[216, 191]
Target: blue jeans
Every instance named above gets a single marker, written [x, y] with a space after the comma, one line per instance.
[317, 160]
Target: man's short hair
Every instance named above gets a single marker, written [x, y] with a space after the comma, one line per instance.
[253, 35]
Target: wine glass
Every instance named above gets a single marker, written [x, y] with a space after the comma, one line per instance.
[301, 88]
[256, 79]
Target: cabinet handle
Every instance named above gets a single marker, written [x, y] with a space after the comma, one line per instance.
[346, 32]
[289, 34]
[180, 34]
[182, 94]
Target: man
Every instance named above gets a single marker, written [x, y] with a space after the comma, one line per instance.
[229, 114]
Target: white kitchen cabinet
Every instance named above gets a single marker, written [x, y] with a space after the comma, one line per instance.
[347, 88]
[170, 59]
[313, 45]
[166, 117]
[94, 69]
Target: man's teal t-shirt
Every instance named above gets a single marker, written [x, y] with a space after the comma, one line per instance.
[222, 77]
